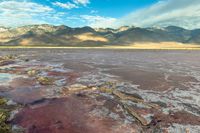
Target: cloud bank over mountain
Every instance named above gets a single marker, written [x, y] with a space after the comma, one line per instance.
[184, 13]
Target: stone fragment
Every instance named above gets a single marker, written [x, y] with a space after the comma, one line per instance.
[106, 90]
[141, 119]
[32, 73]
[6, 62]
[152, 105]
[77, 87]
[45, 80]
[26, 60]
[9, 57]
[134, 98]
[124, 96]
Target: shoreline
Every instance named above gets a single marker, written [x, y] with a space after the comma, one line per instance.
[107, 48]
[135, 46]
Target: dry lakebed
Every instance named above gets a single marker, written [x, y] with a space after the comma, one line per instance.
[99, 91]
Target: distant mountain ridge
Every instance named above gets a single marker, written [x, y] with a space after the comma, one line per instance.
[49, 35]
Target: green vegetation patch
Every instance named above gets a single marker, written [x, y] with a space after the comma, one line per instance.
[4, 116]
[2, 101]
[4, 127]
[5, 111]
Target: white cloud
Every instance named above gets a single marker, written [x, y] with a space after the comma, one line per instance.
[82, 2]
[99, 21]
[17, 12]
[23, 6]
[93, 11]
[184, 13]
[71, 5]
[67, 5]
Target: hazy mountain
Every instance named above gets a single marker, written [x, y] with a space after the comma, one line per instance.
[87, 36]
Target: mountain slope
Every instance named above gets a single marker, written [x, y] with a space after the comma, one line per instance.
[87, 36]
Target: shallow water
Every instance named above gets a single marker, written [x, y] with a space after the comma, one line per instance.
[5, 78]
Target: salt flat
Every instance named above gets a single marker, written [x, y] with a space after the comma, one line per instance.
[104, 90]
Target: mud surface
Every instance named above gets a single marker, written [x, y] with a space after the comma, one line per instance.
[111, 91]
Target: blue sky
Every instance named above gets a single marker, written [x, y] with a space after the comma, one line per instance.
[100, 13]
[109, 8]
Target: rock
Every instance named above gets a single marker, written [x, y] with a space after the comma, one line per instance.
[6, 62]
[152, 105]
[124, 96]
[45, 81]
[161, 104]
[110, 85]
[129, 109]
[8, 57]
[77, 87]
[134, 98]
[26, 60]
[133, 95]
[133, 113]
[106, 90]
[32, 72]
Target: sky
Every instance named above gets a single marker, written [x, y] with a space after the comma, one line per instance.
[101, 13]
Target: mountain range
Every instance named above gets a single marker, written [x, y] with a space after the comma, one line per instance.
[49, 35]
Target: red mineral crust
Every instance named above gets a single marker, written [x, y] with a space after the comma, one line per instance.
[66, 115]
[180, 117]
